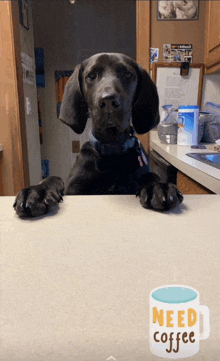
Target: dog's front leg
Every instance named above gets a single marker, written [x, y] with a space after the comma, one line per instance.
[37, 200]
[159, 196]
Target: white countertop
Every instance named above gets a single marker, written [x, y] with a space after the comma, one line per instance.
[175, 154]
[75, 284]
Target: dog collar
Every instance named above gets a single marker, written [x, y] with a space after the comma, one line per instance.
[121, 146]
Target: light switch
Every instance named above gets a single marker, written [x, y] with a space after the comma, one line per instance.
[75, 146]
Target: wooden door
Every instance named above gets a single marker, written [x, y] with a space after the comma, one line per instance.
[212, 60]
[14, 159]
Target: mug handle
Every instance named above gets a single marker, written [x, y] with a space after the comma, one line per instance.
[204, 310]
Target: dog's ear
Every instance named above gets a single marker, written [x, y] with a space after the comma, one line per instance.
[74, 109]
[145, 110]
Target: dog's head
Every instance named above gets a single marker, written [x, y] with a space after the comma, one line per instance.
[114, 90]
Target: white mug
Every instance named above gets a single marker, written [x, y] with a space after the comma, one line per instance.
[175, 321]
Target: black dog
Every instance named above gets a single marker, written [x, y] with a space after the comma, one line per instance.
[114, 91]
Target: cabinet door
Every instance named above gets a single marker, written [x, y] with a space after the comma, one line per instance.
[212, 60]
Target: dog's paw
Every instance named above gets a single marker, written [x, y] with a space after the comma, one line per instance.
[37, 200]
[160, 196]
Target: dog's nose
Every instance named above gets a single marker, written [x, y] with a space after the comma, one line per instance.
[109, 102]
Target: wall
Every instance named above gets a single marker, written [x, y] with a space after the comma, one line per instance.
[70, 33]
[32, 128]
[186, 32]
[179, 32]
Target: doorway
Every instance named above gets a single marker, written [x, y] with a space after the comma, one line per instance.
[68, 34]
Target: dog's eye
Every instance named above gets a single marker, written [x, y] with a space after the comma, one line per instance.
[127, 74]
[92, 75]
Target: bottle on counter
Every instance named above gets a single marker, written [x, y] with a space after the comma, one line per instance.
[188, 125]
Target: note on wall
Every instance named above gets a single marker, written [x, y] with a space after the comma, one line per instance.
[176, 89]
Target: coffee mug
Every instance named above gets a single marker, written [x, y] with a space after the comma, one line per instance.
[175, 321]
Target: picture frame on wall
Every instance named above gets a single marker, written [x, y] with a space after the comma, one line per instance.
[23, 11]
[177, 10]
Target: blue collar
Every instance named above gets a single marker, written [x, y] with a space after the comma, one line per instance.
[121, 146]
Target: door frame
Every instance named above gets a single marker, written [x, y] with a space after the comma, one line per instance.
[13, 137]
[143, 41]
[143, 33]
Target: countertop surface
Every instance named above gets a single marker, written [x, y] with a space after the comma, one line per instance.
[175, 154]
[75, 283]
